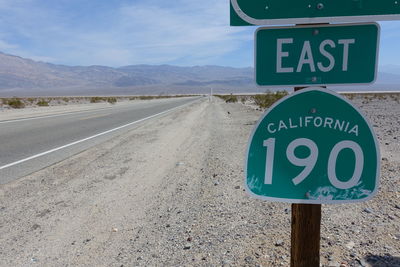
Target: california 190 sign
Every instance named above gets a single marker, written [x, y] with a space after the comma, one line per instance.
[315, 147]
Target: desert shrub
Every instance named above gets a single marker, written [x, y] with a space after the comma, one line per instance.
[96, 99]
[42, 103]
[266, 100]
[146, 97]
[231, 99]
[112, 100]
[16, 103]
[228, 98]
[223, 97]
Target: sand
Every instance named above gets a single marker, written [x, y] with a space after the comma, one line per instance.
[170, 193]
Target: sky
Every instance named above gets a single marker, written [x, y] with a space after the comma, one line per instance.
[127, 32]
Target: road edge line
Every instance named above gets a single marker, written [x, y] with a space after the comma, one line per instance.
[88, 138]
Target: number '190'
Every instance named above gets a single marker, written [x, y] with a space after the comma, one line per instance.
[309, 162]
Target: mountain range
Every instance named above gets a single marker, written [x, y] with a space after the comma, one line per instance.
[25, 77]
[20, 76]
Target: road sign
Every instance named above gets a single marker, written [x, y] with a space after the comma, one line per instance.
[315, 147]
[317, 55]
[278, 12]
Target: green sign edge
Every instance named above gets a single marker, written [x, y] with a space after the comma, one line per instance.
[235, 20]
[248, 21]
[314, 201]
[318, 26]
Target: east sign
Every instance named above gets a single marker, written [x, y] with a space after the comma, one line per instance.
[315, 147]
[278, 12]
[317, 55]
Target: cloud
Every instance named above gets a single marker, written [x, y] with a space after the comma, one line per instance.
[388, 50]
[142, 32]
[390, 29]
[6, 46]
[16, 50]
[123, 32]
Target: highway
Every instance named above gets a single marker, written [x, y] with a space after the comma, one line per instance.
[30, 144]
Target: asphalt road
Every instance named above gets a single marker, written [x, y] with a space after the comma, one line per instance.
[30, 144]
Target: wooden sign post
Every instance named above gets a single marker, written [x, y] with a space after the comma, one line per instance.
[305, 237]
[306, 232]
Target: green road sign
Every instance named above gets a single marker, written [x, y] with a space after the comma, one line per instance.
[317, 55]
[313, 146]
[278, 12]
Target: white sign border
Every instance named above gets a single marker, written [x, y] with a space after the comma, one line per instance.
[319, 26]
[314, 201]
[364, 18]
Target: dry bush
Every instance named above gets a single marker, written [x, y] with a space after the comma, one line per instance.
[15, 103]
[42, 103]
[267, 99]
[228, 98]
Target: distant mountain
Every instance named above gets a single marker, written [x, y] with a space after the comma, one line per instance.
[393, 69]
[20, 76]
[25, 77]
[388, 78]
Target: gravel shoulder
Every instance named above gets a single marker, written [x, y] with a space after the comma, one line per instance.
[169, 193]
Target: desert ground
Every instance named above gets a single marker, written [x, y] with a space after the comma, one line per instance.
[170, 193]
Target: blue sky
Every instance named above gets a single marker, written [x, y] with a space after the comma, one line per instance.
[121, 32]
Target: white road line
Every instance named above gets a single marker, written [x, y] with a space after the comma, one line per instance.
[52, 116]
[87, 138]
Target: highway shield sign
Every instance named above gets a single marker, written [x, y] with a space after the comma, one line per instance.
[315, 147]
[278, 12]
[317, 55]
